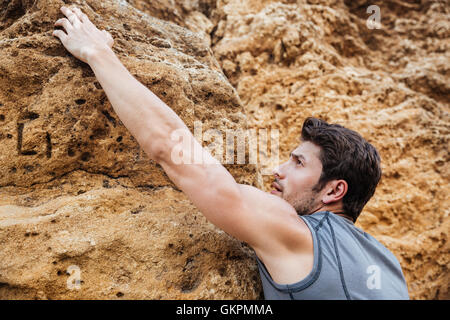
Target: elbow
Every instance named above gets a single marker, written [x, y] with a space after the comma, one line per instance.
[157, 150]
[154, 144]
[165, 144]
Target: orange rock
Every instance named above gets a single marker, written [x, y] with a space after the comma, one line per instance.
[76, 190]
[83, 212]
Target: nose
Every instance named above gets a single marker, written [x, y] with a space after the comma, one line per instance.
[278, 173]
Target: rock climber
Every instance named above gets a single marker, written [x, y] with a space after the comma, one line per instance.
[303, 232]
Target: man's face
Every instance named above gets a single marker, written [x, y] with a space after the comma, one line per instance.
[295, 179]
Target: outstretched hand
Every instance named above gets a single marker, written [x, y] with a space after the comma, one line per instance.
[82, 38]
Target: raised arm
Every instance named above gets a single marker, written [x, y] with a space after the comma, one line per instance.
[264, 221]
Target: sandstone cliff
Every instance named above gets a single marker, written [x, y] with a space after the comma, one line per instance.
[76, 190]
[78, 193]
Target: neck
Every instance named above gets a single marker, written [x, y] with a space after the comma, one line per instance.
[336, 209]
[345, 216]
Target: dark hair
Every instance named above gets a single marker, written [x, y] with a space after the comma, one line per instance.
[346, 155]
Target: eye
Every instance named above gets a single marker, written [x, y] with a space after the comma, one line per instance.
[297, 160]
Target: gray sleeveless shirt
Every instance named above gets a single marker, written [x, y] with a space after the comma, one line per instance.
[348, 264]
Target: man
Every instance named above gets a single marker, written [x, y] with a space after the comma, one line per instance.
[302, 232]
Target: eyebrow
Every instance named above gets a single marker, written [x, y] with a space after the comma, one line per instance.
[298, 155]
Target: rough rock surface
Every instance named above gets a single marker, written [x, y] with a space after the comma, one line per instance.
[73, 182]
[75, 187]
[294, 59]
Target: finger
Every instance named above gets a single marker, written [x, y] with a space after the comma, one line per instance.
[81, 15]
[63, 22]
[61, 35]
[70, 16]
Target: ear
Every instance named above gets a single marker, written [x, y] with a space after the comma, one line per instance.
[335, 191]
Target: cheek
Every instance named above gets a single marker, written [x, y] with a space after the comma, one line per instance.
[293, 189]
[303, 182]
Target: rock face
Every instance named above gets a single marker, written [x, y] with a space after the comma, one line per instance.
[77, 194]
[294, 59]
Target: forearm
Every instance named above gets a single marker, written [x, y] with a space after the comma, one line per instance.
[147, 118]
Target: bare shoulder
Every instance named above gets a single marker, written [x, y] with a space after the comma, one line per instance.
[284, 231]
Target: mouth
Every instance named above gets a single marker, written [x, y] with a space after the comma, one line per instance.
[277, 188]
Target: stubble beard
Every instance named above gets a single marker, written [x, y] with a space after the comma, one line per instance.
[305, 206]
[305, 203]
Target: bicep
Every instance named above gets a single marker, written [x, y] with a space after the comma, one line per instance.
[214, 192]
